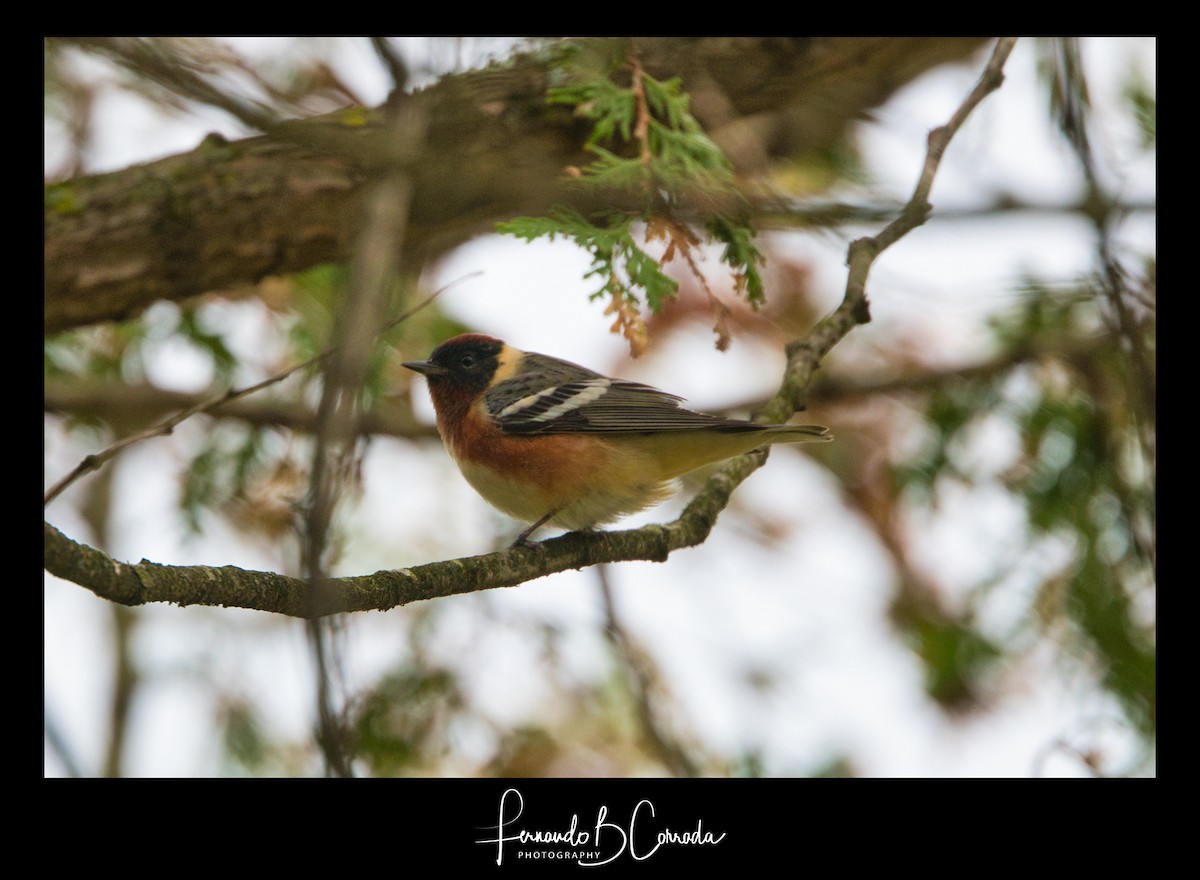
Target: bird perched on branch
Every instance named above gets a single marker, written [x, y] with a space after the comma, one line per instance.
[552, 443]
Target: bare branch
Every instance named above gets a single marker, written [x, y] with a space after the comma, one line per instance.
[147, 581]
[392, 61]
[805, 355]
[207, 405]
[116, 402]
[642, 677]
[775, 213]
[151, 59]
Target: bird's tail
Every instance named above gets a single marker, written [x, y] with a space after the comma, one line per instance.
[799, 433]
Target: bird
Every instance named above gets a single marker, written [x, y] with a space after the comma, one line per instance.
[552, 443]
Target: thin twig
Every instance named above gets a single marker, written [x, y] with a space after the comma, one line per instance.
[1070, 87]
[805, 355]
[787, 213]
[393, 61]
[149, 58]
[58, 744]
[641, 130]
[166, 426]
[639, 667]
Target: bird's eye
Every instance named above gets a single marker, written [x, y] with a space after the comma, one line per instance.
[466, 361]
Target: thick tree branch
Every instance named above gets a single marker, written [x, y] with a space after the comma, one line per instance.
[229, 214]
[229, 586]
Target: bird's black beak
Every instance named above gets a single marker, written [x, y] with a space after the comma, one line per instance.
[426, 369]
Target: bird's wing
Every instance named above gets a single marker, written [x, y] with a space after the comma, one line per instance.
[595, 404]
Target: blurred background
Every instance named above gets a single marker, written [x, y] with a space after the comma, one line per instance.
[962, 584]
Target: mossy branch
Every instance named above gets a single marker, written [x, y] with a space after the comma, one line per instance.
[145, 582]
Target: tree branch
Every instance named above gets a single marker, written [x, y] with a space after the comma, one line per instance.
[643, 682]
[156, 62]
[804, 356]
[776, 213]
[229, 586]
[121, 404]
[219, 403]
[229, 214]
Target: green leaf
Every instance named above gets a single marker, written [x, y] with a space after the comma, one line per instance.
[682, 162]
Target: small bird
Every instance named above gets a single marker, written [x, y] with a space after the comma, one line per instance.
[549, 442]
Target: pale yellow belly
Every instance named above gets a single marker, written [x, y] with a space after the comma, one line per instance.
[594, 501]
